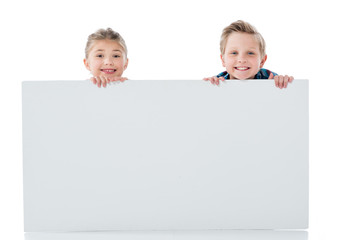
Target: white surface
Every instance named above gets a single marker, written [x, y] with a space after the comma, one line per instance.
[165, 155]
[318, 40]
[173, 235]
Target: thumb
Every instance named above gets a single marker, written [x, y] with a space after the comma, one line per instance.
[271, 76]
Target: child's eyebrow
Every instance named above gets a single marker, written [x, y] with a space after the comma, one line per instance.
[101, 50]
[235, 48]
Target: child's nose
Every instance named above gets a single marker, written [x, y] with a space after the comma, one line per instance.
[242, 59]
[108, 61]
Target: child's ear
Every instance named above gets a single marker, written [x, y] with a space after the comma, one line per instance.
[86, 64]
[126, 64]
[263, 61]
[222, 60]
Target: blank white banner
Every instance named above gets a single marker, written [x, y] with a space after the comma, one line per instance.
[165, 155]
[172, 235]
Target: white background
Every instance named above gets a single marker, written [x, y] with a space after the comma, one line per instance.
[316, 40]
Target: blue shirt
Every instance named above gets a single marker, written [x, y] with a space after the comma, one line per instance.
[262, 74]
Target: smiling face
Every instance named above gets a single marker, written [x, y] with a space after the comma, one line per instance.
[106, 58]
[242, 58]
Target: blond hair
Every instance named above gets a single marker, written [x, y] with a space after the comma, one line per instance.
[242, 27]
[103, 34]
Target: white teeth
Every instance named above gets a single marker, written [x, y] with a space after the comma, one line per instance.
[242, 68]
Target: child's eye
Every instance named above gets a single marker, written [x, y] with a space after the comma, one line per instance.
[99, 55]
[233, 53]
[117, 56]
[251, 53]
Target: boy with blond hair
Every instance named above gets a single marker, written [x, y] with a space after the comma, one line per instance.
[243, 55]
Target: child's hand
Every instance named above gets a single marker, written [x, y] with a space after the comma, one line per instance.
[214, 80]
[281, 81]
[101, 80]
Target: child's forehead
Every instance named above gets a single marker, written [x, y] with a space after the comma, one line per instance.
[240, 39]
[106, 44]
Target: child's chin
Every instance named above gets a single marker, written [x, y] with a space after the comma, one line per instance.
[243, 77]
[112, 75]
[240, 78]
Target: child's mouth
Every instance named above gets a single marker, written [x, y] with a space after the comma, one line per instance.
[242, 68]
[108, 71]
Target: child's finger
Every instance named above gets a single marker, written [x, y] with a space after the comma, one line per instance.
[215, 81]
[286, 80]
[276, 78]
[122, 79]
[281, 81]
[118, 79]
[93, 80]
[271, 76]
[98, 81]
[103, 80]
[291, 78]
